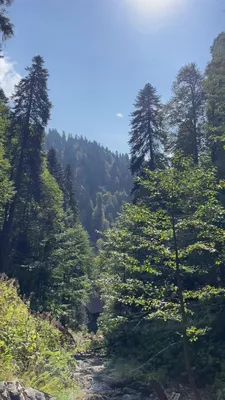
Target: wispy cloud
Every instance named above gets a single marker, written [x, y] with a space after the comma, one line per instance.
[119, 115]
[9, 77]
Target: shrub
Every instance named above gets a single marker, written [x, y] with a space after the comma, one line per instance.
[31, 349]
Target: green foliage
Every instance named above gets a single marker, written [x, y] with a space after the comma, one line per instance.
[41, 243]
[55, 168]
[95, 171]
[146, 136]
[30, 115]
[160, 265]
[142, 277]
[215, 98]
[186, 113]
[6, 186]
[31, 348]
[72, 267]
[70, 196]
[6, 27]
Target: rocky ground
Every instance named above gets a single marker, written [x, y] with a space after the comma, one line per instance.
[97, 383]
[91, 375]
[16, 391]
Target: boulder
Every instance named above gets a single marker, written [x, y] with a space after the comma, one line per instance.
[16, 391]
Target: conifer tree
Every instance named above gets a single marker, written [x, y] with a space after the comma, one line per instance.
[6, 27]
[55, 168]
[70, 193]
[3, 98]
[215, 97]
[30, 116]
[98, 217]
[186, 112]
[6, 187]
[146, 135]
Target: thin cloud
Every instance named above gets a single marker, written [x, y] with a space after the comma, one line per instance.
[119, 115]
[9, 77]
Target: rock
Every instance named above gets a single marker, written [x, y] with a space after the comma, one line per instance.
[32, 394]
[11, 391]
[175, 396]
[16, 391]
[128, 397]
[129, 391]
[133, 393]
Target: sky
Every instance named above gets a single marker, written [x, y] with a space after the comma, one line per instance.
[100, 53]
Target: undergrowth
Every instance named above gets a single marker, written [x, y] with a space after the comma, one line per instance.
[32, 350]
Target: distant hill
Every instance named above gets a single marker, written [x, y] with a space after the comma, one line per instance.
[102, 178]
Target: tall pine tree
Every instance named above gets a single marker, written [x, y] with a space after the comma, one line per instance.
[30, 116]
[70, 193]
[6, 27]
[215, 96]
[55, 168]
[186, 112]
[146, 135]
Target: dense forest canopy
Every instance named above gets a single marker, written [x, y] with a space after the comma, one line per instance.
[71, 225]
[102, 179]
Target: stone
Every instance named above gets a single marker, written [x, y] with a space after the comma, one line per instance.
[32, 394]
[129, 397]
[129, 391]
[175, 396]
[16, 391]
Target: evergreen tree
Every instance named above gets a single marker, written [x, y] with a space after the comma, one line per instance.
[98, 217]
[94, 170]
[186, 112]
[72, 267]
[6, 186]
[70, 193]
[35, 238]
[3, 98]
[30, 116]
[6, 27]
[146, 135]
[55, 168]
[215, 96]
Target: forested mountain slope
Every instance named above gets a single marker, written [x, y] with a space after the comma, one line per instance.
[102, 178]
[160, 268]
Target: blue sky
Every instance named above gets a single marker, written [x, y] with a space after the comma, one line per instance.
[101, 52]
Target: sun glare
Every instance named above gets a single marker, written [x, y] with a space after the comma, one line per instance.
[154, 6]
[148, 15]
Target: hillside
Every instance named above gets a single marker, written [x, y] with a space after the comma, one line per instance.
[159, 271]
[102, 178]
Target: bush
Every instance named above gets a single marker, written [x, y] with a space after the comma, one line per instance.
[31, 349]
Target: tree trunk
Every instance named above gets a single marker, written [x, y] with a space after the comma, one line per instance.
[158, 389]
[195, 134]
[188, 366]
[184, 318]
[151, 152]
[222, 275]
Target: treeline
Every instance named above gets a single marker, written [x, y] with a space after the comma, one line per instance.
[163, 262]
[42, 242]
[102, 179]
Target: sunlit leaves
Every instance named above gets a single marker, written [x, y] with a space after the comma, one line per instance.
[140, 249]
